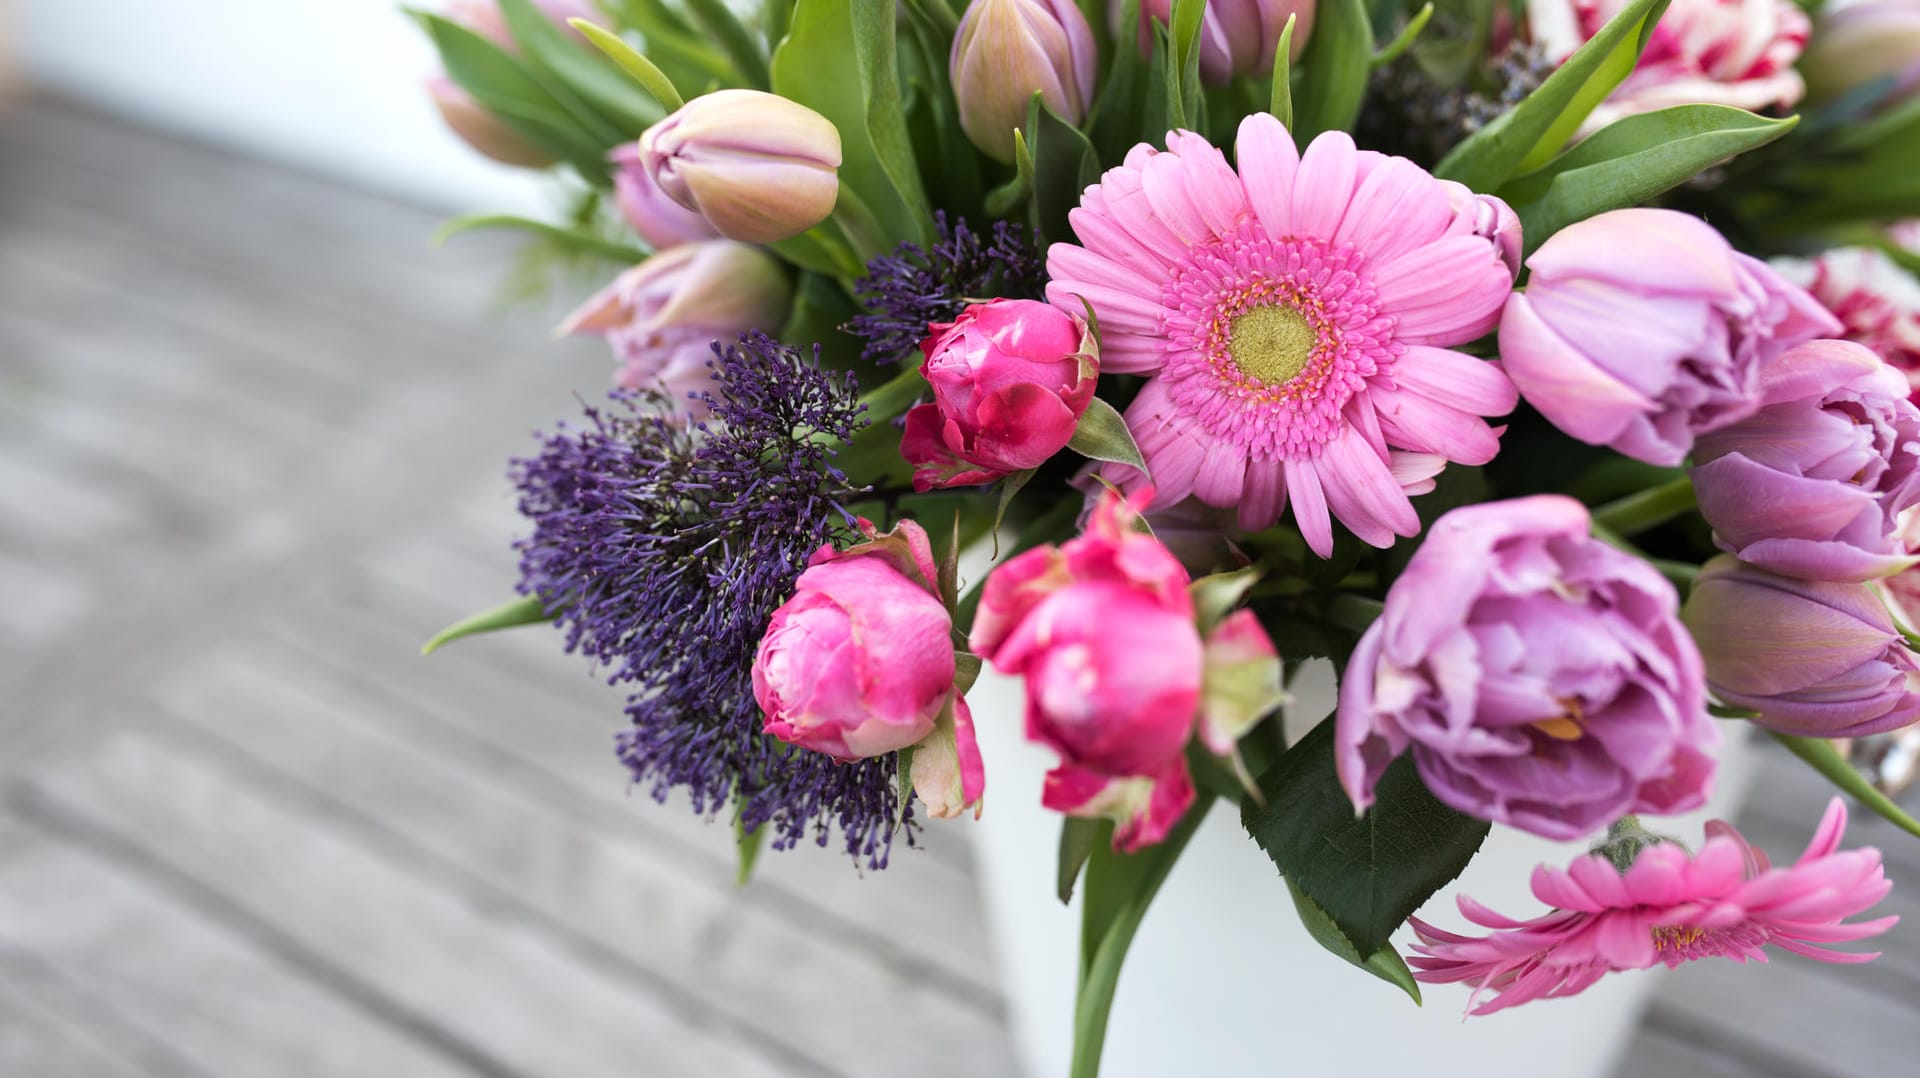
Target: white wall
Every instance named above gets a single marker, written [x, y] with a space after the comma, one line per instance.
[331, 85]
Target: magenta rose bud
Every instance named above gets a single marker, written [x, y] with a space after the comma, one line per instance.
[1813, 484]
[1642, 329]
[659, 220]
[759, 167]
[663, 316]
[1813, 658]
[1011, 379]
[1008, 50]
[1541, 678]
[860, 662]
[1237, 37]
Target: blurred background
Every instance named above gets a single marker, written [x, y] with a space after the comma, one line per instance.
[253, 430]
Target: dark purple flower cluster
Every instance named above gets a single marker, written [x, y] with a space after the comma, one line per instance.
[664, 550]
[910, 288]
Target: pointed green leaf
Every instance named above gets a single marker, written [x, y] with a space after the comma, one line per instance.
[572, 238]
[748, 844]
[1369, 873]
[1281, 101]
[581, 80]
[1103, 435]
[1216, 596]
[725, 29]
[966, 671]
[1527, 135]
[1405, 38]
[1821, 755]
[651, 79]
[1384, 963]
[503, 85]
[1334, 70]
[1064, 165]
[510, 615]
[1009, 486]
[1079, 837]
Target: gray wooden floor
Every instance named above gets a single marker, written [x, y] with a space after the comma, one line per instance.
[251, 439]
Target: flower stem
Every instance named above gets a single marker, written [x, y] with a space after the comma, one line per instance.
[1648, 508]
[1356, 613]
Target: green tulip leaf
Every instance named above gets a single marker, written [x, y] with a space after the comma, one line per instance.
[573, 239]
[1821, 755]
[1064, 165]
[1079, 837]
[508, 615]
[1334, 70]
[582, 80]
[651, 79]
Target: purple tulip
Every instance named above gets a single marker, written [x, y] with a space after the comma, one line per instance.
[658, 219]
[1008, 50]
[1541, 678]
[1814, 658]
[1237, 37]
[759, 167]
[1813, 484]
[1643, 329]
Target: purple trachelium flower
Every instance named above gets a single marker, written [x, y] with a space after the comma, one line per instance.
[1541, 678]
[1813, 484]
[911, 288]
[664, 550]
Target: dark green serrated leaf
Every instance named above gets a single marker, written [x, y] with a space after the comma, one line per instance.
[1384, 963]
[1369, 873]
[1632, 160]
[1079, 837]
[508, 615]
[1821, 755]
[1527, 135]
[1334, 70]
[1102, 435]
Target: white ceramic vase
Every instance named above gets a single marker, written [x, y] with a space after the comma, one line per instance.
[1223, 980]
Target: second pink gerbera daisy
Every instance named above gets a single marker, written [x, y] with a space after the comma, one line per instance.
[1295, 317]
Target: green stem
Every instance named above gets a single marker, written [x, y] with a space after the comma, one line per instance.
[1646, 509]
[1822, 756]
[1356, 613]
[1095, 1001]
[1399, 44]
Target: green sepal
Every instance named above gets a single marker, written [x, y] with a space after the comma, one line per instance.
[1010, 485]
[966, 671]
[1102, 434]
[508, 615]
[1079, 837]
[1821, 755]
[1334, 70]
[1384, 963]
[1216, 596]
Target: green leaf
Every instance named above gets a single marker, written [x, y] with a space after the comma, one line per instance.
[651, 79]
[1281, 101]
[748, 844]
[1334, 70]
[1821, 755]
[894, 396]
[1527, 135]
[673, 44]
[1185, 69]
[1216, 596]
[1079, 837]
[1368, 873]
[1064, 165]
[575, 239]
[508, 615]
[1405, 38]
[1102, 435]
[1115, 123]
[1384, 963]
[1630, 161]
[581, 80]
[501, 84]
[966, 671]
[1010, 485]
[724, 28]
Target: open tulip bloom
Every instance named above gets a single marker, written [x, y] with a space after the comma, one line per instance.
[1517, 375]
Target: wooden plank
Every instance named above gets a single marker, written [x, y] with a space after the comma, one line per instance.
[1667, 1049]
[177, 976]
[507, 988]
[36, 1040]
[672, 914]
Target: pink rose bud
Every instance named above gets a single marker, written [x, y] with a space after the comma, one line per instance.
[759, 167]
[1008, 50]
[659, 220]
[473, 122]
[1237, 37]
[1011, 378]
[1118, 679]
[1814, 658]
[663, 316]
[1877, 302]
[860, 662]
[1872, 41]
[1642, 329]
[1814, 483]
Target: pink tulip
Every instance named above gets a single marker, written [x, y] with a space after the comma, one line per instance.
[1237, 37]
[658, 219]
[1011, 378]
[759, 167]
[1008, 50]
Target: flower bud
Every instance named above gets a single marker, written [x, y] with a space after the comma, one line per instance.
[1011, 378]
[1814, 658]
[659, 220]
[473, 122]
[663, 316]
[1008, 50]
[1863, 43]
[1237, 37]
[1814, 483]
[759, 167]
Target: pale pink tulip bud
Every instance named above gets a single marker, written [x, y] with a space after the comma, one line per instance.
[1863, 43]
[759, 167]
[659, 220]
[475, 123]
[1237, 37]
[1008, 50]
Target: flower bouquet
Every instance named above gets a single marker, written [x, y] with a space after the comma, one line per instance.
[1535, 364]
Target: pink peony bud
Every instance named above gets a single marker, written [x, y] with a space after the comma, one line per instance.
[1862, 43]
[1237, 37]
[663, 316]
[759, 167]
[1008, 50]
[1011, 378]
[1814, 658]
[1641, 329]
[860, 662]
[473, 122]
[1814, 483]
[659, 220]
[1877, 302]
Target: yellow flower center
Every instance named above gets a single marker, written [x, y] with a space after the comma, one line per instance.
[1570, 725]
[1676, 937]
[1272, 343]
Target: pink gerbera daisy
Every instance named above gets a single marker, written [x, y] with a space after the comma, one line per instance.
[1726, 901]
[1295, 317]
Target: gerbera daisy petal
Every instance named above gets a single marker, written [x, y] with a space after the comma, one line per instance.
[1422, 425]
[1445, 293]
[1324, 185]
[1397, 208]
[1268, 160]
[1362, 492]
[1456, 380]
[1310, 507]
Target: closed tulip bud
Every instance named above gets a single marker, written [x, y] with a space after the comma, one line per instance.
[1813, 658]
[1008, 50]
[659, 220]
[475, 123]
[1237, 37]
[1863, 43]
[758, 167]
